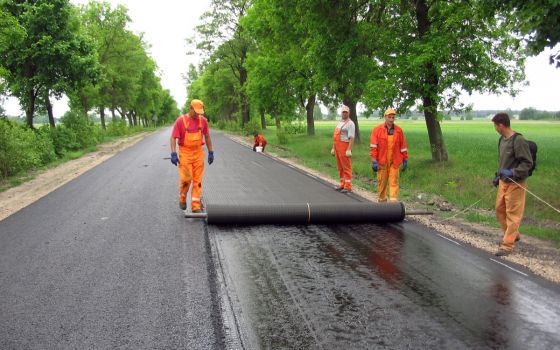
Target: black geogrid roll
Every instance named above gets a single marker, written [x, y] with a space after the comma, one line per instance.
[304, 213]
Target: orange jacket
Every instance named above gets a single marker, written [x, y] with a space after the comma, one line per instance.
[259, 141]
[378, 145]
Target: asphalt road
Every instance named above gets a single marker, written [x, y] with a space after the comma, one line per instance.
[108, 261]
[360, 286]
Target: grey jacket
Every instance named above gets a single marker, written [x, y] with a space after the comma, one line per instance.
[515, 156]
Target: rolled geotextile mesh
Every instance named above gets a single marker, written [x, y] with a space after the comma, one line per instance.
[304, 213]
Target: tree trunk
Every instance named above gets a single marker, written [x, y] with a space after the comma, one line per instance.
[30, 108]
[277, 121]
[309, 108]
[48, 105]
[102, 116]
[353, 116]
[431, 81]
[113, 116]
[263, 119]
[437, 145]
[245, 117]
[129, 117]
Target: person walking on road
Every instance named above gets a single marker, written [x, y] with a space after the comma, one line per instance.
[515, 161]
[343, 140]
[258, 141]
[191, 132]
[388, 152]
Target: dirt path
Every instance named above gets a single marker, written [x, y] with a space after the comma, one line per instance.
[541, 257]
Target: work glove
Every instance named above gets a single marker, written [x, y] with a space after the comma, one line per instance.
[496, 181]
[210, 157]
[374, 165]
[505, 173]
[174, 158]
[404, 165]
[348, 153]
[332, 151]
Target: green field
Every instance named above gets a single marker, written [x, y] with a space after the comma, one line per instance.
[464, 180]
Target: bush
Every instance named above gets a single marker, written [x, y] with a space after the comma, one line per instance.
[252, 127]
[64, 140]
[18, 149]
[45, 145]
[282, 136]
[117, 127]
[295, 128]
[85, 130]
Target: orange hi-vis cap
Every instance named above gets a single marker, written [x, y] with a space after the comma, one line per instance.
[390, 111]
[198, 106]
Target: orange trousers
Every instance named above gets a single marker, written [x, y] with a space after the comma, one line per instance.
[191, 172]
[388, 175]
[510, 205]
[344, 164]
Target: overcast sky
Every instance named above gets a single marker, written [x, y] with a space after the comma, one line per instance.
[167, 25]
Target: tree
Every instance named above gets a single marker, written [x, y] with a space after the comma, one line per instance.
[342, 41]
[280, 59]
[439, 49]
[224, 41]
[51, 58]
[539, 20]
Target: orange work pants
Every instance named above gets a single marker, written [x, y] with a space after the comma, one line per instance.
[388, 175]
[343, 163]
[191, 172]
[510, 205]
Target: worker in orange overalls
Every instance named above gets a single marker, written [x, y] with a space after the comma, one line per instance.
[343, 140]
[258, 141]
[191, 132]
[388, 151]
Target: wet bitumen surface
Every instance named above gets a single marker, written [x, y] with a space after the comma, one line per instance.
[109, 261]
[364, 286]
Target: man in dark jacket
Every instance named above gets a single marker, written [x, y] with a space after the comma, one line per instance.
[515, 161]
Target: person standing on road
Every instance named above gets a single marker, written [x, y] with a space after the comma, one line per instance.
[343, 140]
[515, 161]
[388, 152]
[258, 141]
[190, 131]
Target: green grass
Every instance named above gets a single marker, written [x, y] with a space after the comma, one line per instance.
[463, 180]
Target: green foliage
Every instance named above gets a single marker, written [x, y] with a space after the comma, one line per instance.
[64, 139]
[295, 128]
[117, 128]
[282, 136]
[534, 114]
[84, 130]
[252, 127]
[52, 57]
[21, 149]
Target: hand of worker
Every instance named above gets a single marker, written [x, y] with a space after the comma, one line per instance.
[210, 157]
[505, 173]
[348, 153]
[332, 151]
[404, 165]
[374, 165]
[496, 181]
[174, 158]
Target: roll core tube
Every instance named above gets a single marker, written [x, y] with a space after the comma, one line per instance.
[303, 213]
